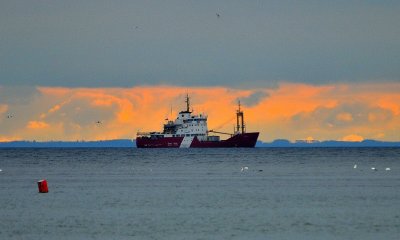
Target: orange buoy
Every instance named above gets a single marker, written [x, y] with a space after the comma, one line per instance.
[42, 184]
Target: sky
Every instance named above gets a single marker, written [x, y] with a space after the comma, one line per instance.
[326, 70]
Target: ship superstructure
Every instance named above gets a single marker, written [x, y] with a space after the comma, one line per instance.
[190, 130]
[187, 125]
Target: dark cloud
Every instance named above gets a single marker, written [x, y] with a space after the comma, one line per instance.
[18, 94]
[257, 43]
[254, 98]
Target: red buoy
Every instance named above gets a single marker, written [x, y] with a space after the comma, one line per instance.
[42, 184]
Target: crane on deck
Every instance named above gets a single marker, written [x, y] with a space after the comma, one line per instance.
[230, 134]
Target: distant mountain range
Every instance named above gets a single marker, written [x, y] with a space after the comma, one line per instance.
[131, 143]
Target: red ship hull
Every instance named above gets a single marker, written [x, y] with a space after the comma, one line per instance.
[245, 140]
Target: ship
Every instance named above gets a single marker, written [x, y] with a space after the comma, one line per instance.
[190, 130]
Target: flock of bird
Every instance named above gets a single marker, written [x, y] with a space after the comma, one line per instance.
[243, 169]
[373, 168]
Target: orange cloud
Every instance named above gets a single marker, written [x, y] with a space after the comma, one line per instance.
[353, 138]
[55, 91]
[3, 108]
[37, 125]
[102, 102]
[291, 111]
[9, 139]
[345, 117]
[55, 108]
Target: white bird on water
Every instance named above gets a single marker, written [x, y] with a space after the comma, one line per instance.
[355, 166]
[387, 169]
[244, 168]
[374, 169]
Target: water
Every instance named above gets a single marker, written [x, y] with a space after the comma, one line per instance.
[286, 193]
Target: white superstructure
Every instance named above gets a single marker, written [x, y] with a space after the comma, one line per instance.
[187, 125]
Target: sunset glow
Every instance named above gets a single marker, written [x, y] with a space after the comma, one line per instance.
[290, 111]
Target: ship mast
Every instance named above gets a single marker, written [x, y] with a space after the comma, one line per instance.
[240, 120]
[187, 101]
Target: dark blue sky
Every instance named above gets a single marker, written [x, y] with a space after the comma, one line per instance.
[252, 43]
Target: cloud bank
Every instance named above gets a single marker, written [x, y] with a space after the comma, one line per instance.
[291, 111]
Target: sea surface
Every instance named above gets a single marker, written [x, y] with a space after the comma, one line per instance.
[260, 193]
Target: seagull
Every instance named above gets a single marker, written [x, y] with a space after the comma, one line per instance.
[387, 169]
[355, 166]
[244, 168]
[374, 169]
[1, 170]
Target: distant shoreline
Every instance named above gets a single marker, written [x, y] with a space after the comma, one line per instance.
[127, 143]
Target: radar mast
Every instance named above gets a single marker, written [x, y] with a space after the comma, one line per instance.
[240, 120]
[187, 103]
